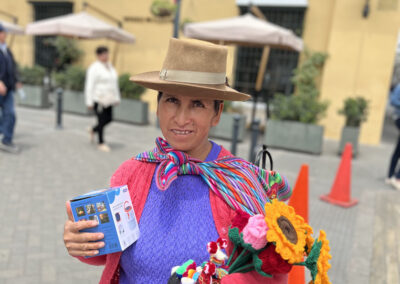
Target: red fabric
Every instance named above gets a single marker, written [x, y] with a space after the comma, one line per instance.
[240, 220]
[139, 185]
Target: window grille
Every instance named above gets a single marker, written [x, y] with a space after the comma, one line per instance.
[44, 53]
[280, 62]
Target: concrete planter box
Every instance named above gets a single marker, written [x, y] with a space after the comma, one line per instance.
[349, 135]
[74, 101]
[132, 111]
[224, 129]
[34, 97]
[294, 136]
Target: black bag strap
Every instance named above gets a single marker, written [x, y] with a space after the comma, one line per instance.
[262, 155]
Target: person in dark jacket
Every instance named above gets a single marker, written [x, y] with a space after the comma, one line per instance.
[8, 83]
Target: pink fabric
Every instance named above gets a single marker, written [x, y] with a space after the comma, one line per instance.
[139, 186]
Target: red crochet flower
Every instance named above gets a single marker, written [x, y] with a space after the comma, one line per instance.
[240, 220]
[209, 269]
[222, 243]
[272, 262]
[212, 247]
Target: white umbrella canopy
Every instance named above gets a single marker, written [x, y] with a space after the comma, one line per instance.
[244, 30]
[81, 25]
[12, 28]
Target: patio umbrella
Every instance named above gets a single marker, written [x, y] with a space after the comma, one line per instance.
[244, 30]
[247, 30]
[12, 28]
[81, 25]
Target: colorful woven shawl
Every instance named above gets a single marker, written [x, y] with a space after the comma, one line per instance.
[241, 184]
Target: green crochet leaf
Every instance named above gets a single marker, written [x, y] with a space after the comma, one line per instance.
[234, 236]
[257, 262]
[312, 259]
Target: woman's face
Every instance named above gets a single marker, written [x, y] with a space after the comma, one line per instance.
[103, 57]
[185, 123]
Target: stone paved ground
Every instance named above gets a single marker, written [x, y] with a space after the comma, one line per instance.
[55, 165]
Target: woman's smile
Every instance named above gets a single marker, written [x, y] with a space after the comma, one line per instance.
[181, 132]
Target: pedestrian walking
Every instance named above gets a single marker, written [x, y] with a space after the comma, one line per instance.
[179, 208]
[102, 93]
[393, 177]
[8, 84]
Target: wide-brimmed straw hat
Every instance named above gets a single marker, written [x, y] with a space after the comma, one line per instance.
[192, 68]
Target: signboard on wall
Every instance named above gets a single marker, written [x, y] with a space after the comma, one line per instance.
[276, 3]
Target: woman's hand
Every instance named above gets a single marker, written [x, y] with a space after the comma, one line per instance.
[81, 243]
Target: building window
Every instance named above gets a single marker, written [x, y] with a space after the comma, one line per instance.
[44, 53]
[280, 62]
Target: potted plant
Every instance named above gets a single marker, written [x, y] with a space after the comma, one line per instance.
[162, 8]
[294, 118]
[355, 111]
[73, 82]
[32, 80]
[224, 129]
[131, 108]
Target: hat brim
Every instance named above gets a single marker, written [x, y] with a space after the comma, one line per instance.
[152, 80]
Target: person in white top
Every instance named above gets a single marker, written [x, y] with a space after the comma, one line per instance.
[101, 93]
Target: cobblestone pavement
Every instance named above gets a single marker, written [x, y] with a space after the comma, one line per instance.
[55, 165]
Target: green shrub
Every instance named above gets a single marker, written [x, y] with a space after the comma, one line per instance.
[129, 89]
[162, 8]
[355, 110]
[67, 51]
[32, 75]
[305, 105]
[73, 78]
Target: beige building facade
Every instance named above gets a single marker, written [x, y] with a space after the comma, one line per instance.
[361, 49]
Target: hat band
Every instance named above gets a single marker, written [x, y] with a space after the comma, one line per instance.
[194, 77]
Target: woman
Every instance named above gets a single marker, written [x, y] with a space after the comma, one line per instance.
[393, 177]
[177, 221]
[101, 92]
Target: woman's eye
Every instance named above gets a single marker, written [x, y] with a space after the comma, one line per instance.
[171, 100]
[198, 104]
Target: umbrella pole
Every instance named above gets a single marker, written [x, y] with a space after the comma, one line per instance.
[255, 124]
[11, 41]
[115, 53]
[260, 78]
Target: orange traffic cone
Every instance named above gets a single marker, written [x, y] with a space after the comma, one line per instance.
[340, 192]
[299, 201]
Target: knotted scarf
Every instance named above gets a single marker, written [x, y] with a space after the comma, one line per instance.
[241, 184]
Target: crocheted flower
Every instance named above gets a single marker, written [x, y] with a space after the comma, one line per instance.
[270, 262]
[317, 261]
[286, 229]
[240, 220]
[255, 232]
[309, 243]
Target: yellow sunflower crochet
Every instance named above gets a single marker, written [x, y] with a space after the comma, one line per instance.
[287, 230]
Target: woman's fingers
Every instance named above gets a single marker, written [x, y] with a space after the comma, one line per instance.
[75, 227]
[83, 252]
[84, 246]
[87, 237]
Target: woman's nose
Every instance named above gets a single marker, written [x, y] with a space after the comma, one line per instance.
[182, 116]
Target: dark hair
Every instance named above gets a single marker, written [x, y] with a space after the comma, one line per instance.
[217, 103]
[101, 50]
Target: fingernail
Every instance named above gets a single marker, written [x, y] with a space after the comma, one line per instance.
[101, 245]
[95, 252]
[100, 235]
[95, 223]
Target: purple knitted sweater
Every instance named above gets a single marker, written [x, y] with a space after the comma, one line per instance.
[175, 226]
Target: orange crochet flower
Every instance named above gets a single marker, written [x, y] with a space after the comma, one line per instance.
[322, 263]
